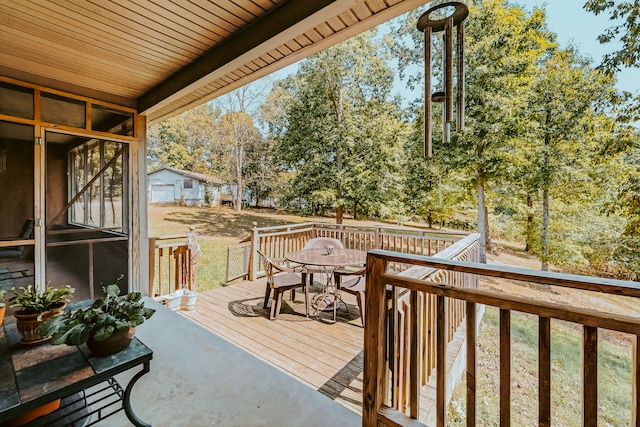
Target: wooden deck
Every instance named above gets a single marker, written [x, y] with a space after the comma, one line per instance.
[325, 356]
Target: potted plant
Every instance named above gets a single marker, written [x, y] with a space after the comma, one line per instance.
[35, 306]
[106, 327]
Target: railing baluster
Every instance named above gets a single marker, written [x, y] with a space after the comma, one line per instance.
[635, 386]
[505, 368]
[161, 270]
[441, 362]
[414, 358]
[590, 377]
[471, 364]
[544, 372]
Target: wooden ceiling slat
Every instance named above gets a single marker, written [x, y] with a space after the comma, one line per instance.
[72, 23]
[376, 5]
[249, 6]
[336, 24]
[268, 59]
[213, 12]
[191, 20]
[118, 50]
[349, 18]
[361, 11]
[265, 4]
[313, 35]
[276, 54]
[124, 25]
[324, 30]
[231, 7]
[260, 62]
[140, 11]
[246, 70]
[253, 66]
[31, 63]
[293, 45]
[284, 50]
[303, 40]
[56, 49]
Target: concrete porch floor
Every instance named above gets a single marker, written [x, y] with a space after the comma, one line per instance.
[200, 379]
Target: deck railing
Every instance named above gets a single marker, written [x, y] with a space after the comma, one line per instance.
[378, 391]
[172, 264]
[402, 302]
[275, 242]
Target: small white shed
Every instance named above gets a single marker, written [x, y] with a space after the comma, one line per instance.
[169, 185]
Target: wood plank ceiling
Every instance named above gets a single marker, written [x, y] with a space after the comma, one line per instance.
[166, 56]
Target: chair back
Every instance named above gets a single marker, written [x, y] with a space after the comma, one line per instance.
[323, 242]
[268, 267]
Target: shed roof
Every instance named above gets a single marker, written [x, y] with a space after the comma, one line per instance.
[195, 175]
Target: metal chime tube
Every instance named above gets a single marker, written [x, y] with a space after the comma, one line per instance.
[448, 72]
[460, 64]
[427, 150]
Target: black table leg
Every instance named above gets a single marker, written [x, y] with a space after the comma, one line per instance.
[127, 396]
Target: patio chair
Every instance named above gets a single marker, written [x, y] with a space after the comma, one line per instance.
[281, 279]
[356, 285]
[18, 251]
[320, 243]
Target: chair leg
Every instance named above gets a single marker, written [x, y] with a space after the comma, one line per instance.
[359, 296]
[277, 303]
[267, 292]
[306, 297]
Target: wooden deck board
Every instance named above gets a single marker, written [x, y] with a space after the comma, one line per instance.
[323, 355]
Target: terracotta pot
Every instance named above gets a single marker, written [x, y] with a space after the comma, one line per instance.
[28, 324]
[118, 341]
[27, 417]
[2, 310]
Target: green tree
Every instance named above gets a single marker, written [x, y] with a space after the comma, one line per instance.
[340, 131]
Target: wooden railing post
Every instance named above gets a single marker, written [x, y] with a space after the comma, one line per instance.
[152, 265]
[375, 384]
[635, 382]
[253, 259]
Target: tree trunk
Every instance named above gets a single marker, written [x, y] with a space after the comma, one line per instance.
[482, 249]
[545, 230]
[529, 230]
[488, 243]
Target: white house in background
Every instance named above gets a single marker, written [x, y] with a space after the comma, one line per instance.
[168, 185]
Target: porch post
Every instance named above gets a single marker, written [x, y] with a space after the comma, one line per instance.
[253, 259]
[139, 233]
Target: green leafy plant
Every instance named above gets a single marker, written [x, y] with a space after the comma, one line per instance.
[30, 300]
[105, 316]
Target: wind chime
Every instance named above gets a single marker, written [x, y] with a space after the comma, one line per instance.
[444, 15]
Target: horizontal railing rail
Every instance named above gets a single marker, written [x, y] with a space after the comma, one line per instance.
[378, 406]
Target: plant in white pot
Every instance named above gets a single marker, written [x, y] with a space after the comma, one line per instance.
[106, 327]
[35, 306]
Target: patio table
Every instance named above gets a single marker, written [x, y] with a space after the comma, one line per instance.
[34, 376]
[329, 261]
